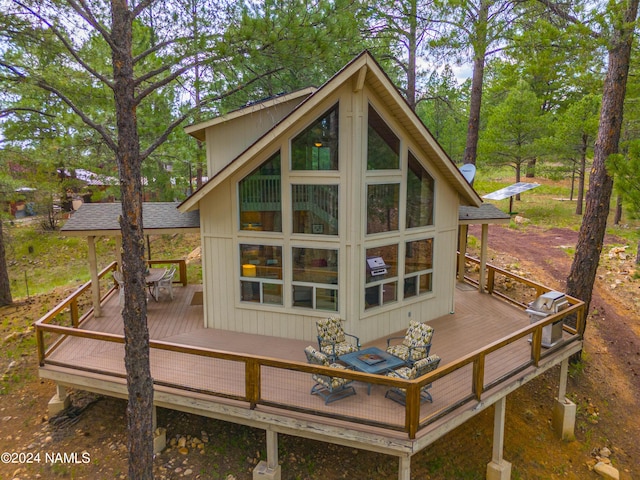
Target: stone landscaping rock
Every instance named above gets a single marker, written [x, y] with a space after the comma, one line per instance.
[606, 471]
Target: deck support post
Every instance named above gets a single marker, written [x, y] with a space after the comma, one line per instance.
[499, 468]
[159, 433]
[462, 248]
[59, 401]
[404, 468]
[564, 410]
[271, 469]
[482, 277]
[95, 279]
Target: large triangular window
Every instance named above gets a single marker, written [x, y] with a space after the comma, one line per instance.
[316, 148]
[383, 146]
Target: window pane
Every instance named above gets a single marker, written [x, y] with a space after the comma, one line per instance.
[261, 261]
[327, 299]
[419, 195]
[260, 206]
[315, 209]
[372, 297]
[315, 265]
[382, 207]
[383, 146]
[302, 296]
[272, 293]
[389, 292]
[418, 256]
[250, 291]
[425, 283]
[316, 148]
[410, 285]
[389, 256]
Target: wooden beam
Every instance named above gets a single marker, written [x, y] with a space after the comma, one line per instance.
[95, 278]
[359, 81]
[483, 257]
[462, 247]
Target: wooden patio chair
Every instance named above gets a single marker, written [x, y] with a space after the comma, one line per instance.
[415, 345]
[332, 339]
[419, 369]
[327, 387]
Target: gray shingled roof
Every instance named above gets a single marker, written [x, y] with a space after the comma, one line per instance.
[103, 218]
[486, 213]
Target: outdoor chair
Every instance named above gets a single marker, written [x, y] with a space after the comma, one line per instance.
[419, 369]
[332, 340]
[166, 283]
[415, 345]
[327, 387]
[117, 276]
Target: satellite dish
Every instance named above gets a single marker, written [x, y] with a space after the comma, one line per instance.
[468, 171]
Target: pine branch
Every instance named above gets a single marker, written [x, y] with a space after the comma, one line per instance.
[84, 117]
[181, 118]
[66, 44]
[8, 111]
[85, 12]
[141, 7]
[160, 83]
[557, 10]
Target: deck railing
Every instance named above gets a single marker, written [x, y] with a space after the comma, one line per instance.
[270, 381]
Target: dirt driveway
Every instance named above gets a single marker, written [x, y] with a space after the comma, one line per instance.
[612, 339]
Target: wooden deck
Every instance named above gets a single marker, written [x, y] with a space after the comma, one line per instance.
[215, 385]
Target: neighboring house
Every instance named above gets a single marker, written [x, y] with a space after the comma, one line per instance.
[335, 201]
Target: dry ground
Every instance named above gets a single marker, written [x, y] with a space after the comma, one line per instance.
[606, 388]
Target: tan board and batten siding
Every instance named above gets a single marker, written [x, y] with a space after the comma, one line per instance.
[221, 234]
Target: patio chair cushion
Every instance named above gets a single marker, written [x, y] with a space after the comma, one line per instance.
[332, 339]
[316, 357]
[419, 369]
[330, 331]
[416, 343]
[418, 334]
[328, 387]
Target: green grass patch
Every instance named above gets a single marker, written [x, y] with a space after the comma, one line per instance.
[39, 261]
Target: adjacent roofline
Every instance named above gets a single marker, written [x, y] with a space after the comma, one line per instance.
[363, 64]
[487, 213]
[197, 130]
[102, 219]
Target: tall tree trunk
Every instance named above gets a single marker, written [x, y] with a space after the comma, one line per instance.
[413, 48]
[139, 382]
[573, 180]
[581, 174]
[590, 238]
[617, 218]
[479, 52]
[5, 286]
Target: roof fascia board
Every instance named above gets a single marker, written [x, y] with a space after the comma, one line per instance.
[118, 233]
[197, 130]
[489, 221]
